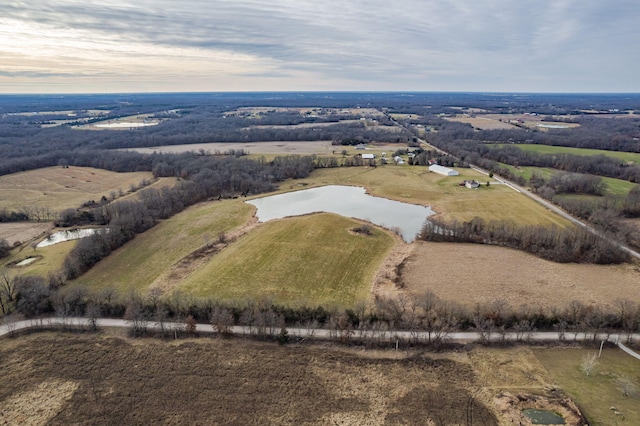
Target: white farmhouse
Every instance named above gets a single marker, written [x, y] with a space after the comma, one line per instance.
[443, 170]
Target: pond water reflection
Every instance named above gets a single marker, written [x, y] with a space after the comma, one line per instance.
[349, 201]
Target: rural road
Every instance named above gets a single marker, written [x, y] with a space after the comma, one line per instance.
[554, 209]
[325, 334]
[534, 197]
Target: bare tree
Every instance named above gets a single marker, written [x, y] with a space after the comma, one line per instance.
[221, 320]
[589, 362]
[7, 291]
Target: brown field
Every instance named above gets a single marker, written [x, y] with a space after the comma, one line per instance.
[469, 274]
[56, 378]
[284, 147]
[23, 231]
[57, 188]
[483, 123]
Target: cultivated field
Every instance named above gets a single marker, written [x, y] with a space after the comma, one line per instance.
[93, 379]
[310, 260]
[470, 274]
[58, 188]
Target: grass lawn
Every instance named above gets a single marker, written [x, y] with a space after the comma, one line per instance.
[139, 262]
[308, 260]
[548, 149]
[600, 391]
[416, 185]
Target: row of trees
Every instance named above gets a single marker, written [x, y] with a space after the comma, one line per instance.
[427, 313]
[564, 245]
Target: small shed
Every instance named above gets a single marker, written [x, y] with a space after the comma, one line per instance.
[361, 146]
[443, 170]
[368, 156]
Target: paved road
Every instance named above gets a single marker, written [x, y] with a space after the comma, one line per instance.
[324, 334]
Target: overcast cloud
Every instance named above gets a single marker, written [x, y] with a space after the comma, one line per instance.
[407, 45]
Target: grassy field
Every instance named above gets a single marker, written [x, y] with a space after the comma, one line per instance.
[140, 262]
[548, 149]
[49, 259]
[600, 391]
[417, 185]
[97, 379]
[302, 260]
[614, 186]
[473, 273]
[57, 188]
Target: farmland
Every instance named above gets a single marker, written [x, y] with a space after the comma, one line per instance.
[305, 260]
[630, 157]
[471, 273]
[144, 260]
[58, 188]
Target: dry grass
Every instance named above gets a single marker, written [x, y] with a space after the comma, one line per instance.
[22, 231]
[281, 147]
[58, 188]
[470, 274]
[483, 123]
[118, 381]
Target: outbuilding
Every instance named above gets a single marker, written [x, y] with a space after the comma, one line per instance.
[368, 156]
[443, 170]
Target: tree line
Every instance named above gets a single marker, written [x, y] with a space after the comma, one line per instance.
[33, 297]
[564, 245]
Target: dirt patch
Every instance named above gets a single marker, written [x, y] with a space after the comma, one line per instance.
[23, 231]
[387, 280]
[37, 406]
[511, 407]
[471, 273]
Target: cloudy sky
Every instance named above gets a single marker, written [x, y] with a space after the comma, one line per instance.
[71, 46]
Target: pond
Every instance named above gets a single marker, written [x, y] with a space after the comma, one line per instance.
[349, 201]
[543, 417]
[62, 236]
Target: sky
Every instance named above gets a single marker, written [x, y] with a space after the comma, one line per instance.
[107, 46]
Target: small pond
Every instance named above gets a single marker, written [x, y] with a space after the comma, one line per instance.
[62, 236]
[26, 261]
[543, 417]
[349, 201]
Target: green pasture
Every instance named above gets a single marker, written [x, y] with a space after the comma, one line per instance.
[614, 186]
[139, 262]
[549, 149]
[308, 260]
[598, 393]
[50, 259]
[417, 185]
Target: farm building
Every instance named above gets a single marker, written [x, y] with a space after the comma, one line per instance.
[443, 170]
[368, 156]
[361, 146]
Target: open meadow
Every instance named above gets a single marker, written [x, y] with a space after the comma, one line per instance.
[631, 157]
[58, 188]
[93, 378]
[308, 260]
[472, 273]
[150, 257]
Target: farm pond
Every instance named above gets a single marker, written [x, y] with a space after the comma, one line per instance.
[63, 236]
[349, 201]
